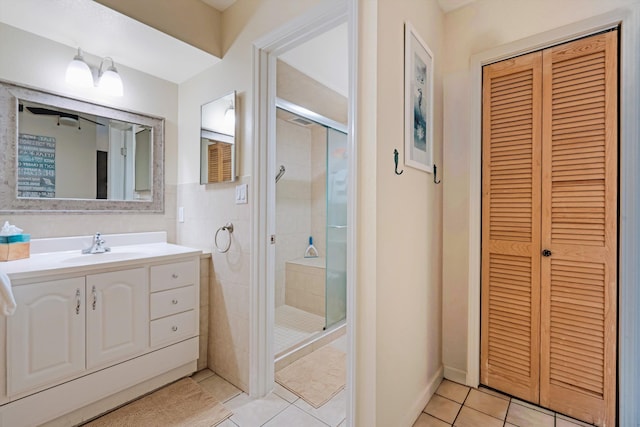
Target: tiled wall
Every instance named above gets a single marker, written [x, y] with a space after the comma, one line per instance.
[293, 198]
[305, 286]
[300, 195]
[228, 283]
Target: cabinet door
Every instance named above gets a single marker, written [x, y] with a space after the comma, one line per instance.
[45, 336]
[117, 316]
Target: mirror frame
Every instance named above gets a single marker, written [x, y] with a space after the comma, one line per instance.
[10, 95]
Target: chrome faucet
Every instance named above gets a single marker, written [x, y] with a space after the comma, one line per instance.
[97, 247]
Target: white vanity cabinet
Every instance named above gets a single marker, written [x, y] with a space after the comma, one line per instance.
[174, 299]
[103, 317]
[117, 316]
[90, 334]
[46, 334]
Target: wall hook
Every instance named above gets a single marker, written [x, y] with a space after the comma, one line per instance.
[435, 175]
[395, 159]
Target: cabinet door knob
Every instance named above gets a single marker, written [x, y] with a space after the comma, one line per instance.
[546, 252]
[174, 328]
[174, 301]
[174, 275]
[77, 301]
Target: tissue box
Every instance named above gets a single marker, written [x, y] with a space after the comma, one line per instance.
[14, 247]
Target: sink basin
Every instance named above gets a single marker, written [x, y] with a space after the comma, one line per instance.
[103, 257]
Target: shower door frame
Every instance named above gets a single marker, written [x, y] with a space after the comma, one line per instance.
[320, 19]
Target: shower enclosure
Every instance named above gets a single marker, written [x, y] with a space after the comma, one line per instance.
[311, 201]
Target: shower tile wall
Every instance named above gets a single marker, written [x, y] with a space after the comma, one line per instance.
[300, 195]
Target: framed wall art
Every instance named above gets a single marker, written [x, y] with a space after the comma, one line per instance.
[418, 102]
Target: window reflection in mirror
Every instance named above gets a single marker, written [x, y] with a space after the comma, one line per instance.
[217, 140]
[66, 154]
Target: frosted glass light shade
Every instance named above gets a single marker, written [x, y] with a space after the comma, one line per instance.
[230, 117]
[111, 83]
[78, 72]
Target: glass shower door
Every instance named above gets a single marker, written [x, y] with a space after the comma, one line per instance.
[336, 252]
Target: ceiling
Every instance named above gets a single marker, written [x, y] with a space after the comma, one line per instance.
[450, 5]
[221, 5]
[101, 31]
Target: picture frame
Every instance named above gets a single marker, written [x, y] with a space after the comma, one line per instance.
[418, 102]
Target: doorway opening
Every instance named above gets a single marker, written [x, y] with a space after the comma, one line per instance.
[311, 226]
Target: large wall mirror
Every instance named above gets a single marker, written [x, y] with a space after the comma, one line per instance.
[62, 154]
[217, 140]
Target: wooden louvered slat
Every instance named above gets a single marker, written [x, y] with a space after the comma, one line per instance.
[219, 162]
[577, 375]
[511, 209]
[213, 164]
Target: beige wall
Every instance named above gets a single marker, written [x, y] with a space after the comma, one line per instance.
[208, 207]
[191, 21]
[37, 62]
[476, 28]
[399, 225]
[302, 90]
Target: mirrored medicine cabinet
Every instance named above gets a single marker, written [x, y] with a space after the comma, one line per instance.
[218, 130]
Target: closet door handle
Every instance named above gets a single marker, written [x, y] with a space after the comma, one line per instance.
[546, 253]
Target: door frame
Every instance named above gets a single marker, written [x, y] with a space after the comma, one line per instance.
[628, 18]
[321, 18]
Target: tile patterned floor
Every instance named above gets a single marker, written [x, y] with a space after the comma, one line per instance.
[293, 325]
[281, 408]
[462, 406]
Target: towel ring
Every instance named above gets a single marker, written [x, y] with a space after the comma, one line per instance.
[228, 227]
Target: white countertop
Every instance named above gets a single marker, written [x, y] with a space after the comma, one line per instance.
[73, 261]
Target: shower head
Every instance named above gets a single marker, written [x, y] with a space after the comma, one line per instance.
[280, 173]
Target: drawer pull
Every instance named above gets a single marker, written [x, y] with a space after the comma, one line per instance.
[174, 301]
[174, 275]
[174, 328]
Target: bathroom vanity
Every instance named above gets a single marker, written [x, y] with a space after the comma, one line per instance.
[90, 326]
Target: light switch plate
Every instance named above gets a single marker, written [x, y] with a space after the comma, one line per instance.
[241, 194]
[180, 214]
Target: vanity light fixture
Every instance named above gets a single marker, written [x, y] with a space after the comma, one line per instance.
[80, 74]
[109, 80]
[230, 115]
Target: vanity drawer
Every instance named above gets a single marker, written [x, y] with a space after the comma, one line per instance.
[172, 301]
[173, 275]
[173, 328]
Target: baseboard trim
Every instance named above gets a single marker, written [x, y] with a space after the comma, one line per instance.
[456, 375]
[423, 398]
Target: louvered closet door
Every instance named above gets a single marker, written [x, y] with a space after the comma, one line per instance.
[579, 227]
[511, 226]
